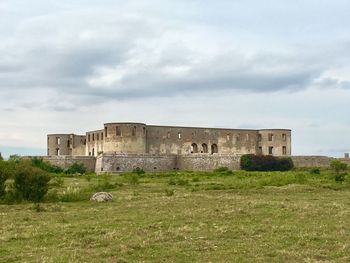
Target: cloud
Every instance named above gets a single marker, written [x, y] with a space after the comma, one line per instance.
[229, 63]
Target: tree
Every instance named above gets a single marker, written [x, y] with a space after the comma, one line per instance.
[337, 166]
[1, 158]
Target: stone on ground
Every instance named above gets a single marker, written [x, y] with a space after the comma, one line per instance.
[101, 197]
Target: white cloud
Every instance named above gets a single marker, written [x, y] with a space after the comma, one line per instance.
[70, 66]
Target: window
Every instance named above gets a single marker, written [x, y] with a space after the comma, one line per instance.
[168, 135]
[179, 135]
[260, 150]
[144, 131]
[98, 136]
[205, 148]
[68, 143]
[133, 132]
[88, 137]
[58, 152]
[93, 151]
[227, 137]
[58, 140]
[118, 132]
[194, 148]
[214, 149]
[93, 136]
[284, 137]
[102, 136]
[270, 150]
[259, 137]
[106, 130]
[284, 150]
[270, 137]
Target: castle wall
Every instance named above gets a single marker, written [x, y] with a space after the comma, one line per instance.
[117, 163]
[186, 140]
[65, 161]
[207, 162]
[139, 138]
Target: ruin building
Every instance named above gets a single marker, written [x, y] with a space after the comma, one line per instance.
[139, 138]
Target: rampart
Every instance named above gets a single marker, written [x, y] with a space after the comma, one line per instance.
[119, 163]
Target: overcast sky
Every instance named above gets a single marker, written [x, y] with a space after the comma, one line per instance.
[70, 66]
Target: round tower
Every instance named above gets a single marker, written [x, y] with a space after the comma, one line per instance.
[124, 137]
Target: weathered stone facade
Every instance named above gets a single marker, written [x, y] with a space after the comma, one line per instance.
[121, 147]
[139, 138]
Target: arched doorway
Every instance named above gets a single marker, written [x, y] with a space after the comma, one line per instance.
[214, 148]
[194, 148]
[205, 148]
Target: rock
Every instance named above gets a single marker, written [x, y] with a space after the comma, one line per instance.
[101, 197]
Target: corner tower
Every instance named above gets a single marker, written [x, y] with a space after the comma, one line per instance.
[121, 137]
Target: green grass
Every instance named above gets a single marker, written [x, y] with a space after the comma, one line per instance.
[184, 217]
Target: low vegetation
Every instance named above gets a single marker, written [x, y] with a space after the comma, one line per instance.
[252, 162]
[220, 216]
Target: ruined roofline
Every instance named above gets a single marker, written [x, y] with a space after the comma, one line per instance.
[192, 127]
[232, 129]
[56, 134]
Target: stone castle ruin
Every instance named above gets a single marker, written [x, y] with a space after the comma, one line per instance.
[123, 146]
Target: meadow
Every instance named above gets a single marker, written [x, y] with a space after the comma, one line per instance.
[222, 216]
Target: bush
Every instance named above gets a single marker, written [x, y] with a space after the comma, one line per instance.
[1, 158]
[6, 171]
[31, 183]
[315, 171]
[251, 162]
[337, 166]
[46, 166]
[340, 177]
[138, 171]
[76, 168]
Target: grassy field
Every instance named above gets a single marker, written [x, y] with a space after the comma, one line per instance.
[185, 217]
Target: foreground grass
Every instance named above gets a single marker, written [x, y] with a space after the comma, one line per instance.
[187, 217]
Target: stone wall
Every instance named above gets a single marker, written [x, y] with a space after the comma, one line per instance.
[194, 162]
[117, 163]
[65, 161]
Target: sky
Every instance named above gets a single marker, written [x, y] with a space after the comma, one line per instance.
[70, 66]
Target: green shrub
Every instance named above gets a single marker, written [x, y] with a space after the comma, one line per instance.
[31, 183]
[46, 166]
[76, 168]
[138, 171]
[340, 177]
[337, 166]
[315, 171]
[6, 171]
[251, 162]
